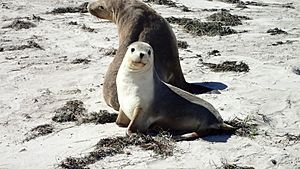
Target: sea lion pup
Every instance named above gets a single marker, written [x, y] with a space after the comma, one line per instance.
[149, 102]
[136, 21]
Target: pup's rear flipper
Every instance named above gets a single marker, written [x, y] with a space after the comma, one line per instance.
[227, 129]
[224, 129]
[187, 137]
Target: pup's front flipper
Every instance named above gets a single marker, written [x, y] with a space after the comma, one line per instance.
[136, 124]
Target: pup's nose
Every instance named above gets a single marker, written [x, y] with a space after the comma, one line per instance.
[141, 55]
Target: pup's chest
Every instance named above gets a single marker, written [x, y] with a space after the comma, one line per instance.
[134, 93]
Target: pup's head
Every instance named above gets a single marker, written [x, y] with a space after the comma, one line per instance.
[139, 57]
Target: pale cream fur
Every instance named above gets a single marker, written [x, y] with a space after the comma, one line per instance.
[135, 83]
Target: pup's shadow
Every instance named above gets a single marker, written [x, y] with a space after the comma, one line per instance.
[217, 138]
[212, 85]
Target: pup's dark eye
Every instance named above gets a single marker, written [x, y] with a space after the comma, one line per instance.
[149, 52]
[132, 49]
[101, 7]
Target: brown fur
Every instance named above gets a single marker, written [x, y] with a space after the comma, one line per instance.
[138, 22]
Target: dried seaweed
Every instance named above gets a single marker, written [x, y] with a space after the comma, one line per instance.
[283, 42]
[161, 145]
[30, 44]
[296, 71]
[38, 131]
[78, 9]
[19, 24]
[73, 23]
[80, 60]
[276, 31]
[214, 53]
[244, 128]
[87, 29]
[163, 2]
[228, 66]
[226, 18]
[170, 4]
[182, 44]
[109, 51]
[74, 111]
[101, 117]
[71, 111]
[226, 165]
[291, 137]
[37, 18]
[252, 3]
[196, 27]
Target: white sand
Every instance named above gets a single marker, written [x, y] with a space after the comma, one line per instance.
[35, 82]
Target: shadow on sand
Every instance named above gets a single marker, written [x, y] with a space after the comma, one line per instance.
[217, 138]
[212, 85]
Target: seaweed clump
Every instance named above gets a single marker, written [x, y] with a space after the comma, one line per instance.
[289, 139]
[214, 53]
[163, 2]
[226, 18]
[87, 29]
[276, 31]
[244, 128]
[30, 44]
[170, 4]
[78, 9]
[160, 145]
[226, 165]
[196, 27]
[19, 24]
[243, 4]
[71, 111]
[283, 42]
[296, 71]
[80, 60]
[228, 66]
[74, 111]
[109, 51]
[182, 44]
[38, 131]
[101, 117]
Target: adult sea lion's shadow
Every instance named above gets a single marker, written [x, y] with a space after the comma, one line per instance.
[212, 85]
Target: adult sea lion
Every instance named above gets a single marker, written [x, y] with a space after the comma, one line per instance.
[136, 21]
[147, 102]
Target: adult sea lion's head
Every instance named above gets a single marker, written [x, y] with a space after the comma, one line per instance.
[102, 9]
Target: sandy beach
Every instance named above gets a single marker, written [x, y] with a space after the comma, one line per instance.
[55, 54]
